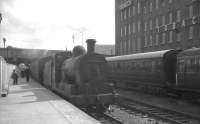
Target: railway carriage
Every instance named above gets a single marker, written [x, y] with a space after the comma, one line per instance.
[188, 69]
[37, 67]
[144, 71]
[52, 69]
[168, 72]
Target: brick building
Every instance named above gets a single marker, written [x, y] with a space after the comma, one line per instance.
[151, 25]
[105, 49]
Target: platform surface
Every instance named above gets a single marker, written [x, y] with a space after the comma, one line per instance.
[30, 103]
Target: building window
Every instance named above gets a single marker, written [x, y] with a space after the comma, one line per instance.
[129, 11]
[129, 28]
[151, 24]
[139, 44]
[138, 7]
[145, 26]
[145, 10]
[178, 15]
[151, 7]
[191, 32]
[139, 25]
[134, 28]
[133, 45]
[121, 48]
[178, 36]
[124, 14]
[145, 40]
[157, 39]
[163, 37]
[163, 3]
[163, 20]
[151, 40]
[170, 1]
[125, 30]
[170, 18]
[121, 15]
[129, 46]
[121, 32]
[133, 10]
[157, 4]
[190, 11]
[125, 48]
[157, 22]
[171, 36]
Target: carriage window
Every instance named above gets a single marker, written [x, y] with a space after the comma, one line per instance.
[127, 66]
[139, 65]
[188, 65]
[133, 66]
[113, 67]
[118, 67]
[153, 66]
[181, 65]
[136, 66]
[199, 63]
[130, 65]
[123, 66]
[158, 66]
[192, 65]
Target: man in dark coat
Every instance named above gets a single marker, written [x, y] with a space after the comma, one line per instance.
[15, 77]
[27, 74]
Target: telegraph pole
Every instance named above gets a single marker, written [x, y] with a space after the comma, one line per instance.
[73, 37]
[4, 46]
[0, 18]
[82, 37]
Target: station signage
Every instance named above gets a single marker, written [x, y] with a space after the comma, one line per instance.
[125, 4]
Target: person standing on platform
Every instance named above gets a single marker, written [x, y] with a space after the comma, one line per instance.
[15, 77]
[27, 74]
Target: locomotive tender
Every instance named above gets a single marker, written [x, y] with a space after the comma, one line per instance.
[80, 78]
[161, 72]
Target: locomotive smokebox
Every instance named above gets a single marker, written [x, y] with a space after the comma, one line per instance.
[90, 45]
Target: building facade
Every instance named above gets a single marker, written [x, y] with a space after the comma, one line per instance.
[105, 49]
[152, 25]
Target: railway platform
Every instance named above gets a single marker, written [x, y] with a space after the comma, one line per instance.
[30, 103]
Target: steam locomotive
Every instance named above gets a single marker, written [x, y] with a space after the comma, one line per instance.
[80, 77]
[171, 72]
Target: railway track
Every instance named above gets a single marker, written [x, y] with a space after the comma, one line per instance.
[169, 116]
[104, 118]
[140, 113]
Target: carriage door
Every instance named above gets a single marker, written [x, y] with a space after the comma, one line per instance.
[181, 69]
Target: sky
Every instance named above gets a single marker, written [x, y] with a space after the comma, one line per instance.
[50, 24]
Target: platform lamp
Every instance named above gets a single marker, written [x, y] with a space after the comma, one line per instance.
[4, 43]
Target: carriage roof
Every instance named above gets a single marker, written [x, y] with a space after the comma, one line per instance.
[147, 55]
[190, 52]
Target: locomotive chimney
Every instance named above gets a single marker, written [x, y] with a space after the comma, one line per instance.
[90, 45]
